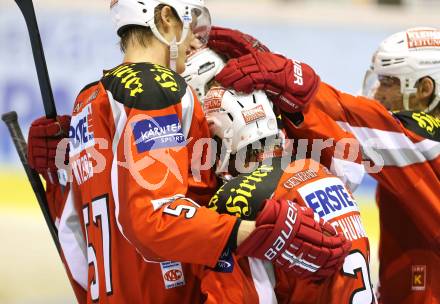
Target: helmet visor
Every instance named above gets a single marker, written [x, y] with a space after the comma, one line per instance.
[371, 84]
[201, 24]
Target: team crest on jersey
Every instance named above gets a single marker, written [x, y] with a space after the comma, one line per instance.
[81, 132]
[418, 277]
[157, 133]
[172, 274]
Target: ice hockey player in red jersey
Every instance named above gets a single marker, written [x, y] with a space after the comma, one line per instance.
[237, 122]
[401, 149]
[246, 127]
[131, 210]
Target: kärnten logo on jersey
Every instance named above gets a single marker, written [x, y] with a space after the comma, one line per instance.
[165, 78]
[158, 132]
[129, 78]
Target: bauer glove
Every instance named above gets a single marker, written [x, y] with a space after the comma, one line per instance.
[291, 85]
[43, 139]
[292, 238]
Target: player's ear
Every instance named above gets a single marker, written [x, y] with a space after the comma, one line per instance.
[167, 18]
[425, 88]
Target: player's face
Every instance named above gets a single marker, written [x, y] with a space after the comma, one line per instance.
[389, 94]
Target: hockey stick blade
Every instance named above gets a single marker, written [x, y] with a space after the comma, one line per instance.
[28, 11]
[11, 121]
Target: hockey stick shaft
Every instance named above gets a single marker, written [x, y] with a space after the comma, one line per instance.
[11, 122]
[28, 11]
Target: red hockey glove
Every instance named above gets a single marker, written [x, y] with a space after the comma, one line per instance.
[44, 136]
[233, 43]
[291, 238]
[289, 84]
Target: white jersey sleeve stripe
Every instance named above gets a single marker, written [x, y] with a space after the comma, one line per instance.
[393, 148]
[72, 243]
[263, 281]
[187, 111]
[120, 119]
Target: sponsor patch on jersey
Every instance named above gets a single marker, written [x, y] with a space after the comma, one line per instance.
[423, 39]
[81, 131]
[427, 122]
[165, 78]
[172, 274]
[243, 195]
[226, 262]
[328, 197]
[129, 78]
[158, 132]
[299, 178]
[213, 100]
[418, 277]
[253, 114]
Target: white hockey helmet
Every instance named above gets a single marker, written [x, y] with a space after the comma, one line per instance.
[193, 14]
[409, 56]
[201, 67]
[238, 120]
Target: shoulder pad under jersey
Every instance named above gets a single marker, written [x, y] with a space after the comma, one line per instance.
[244, 195]
[144, 86]
[420, 123]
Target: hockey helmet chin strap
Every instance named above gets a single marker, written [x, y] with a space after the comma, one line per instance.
[173, 45]
[227, 141]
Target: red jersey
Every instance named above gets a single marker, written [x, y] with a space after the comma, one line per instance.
[131, 211]
[402, 152]
[309, 184]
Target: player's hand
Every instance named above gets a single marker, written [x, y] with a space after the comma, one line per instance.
[290, 85]
[233, 43]
[44, 136]
[291, 237]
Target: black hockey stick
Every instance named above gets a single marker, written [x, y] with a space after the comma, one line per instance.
[11, 122]
[27, 9]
